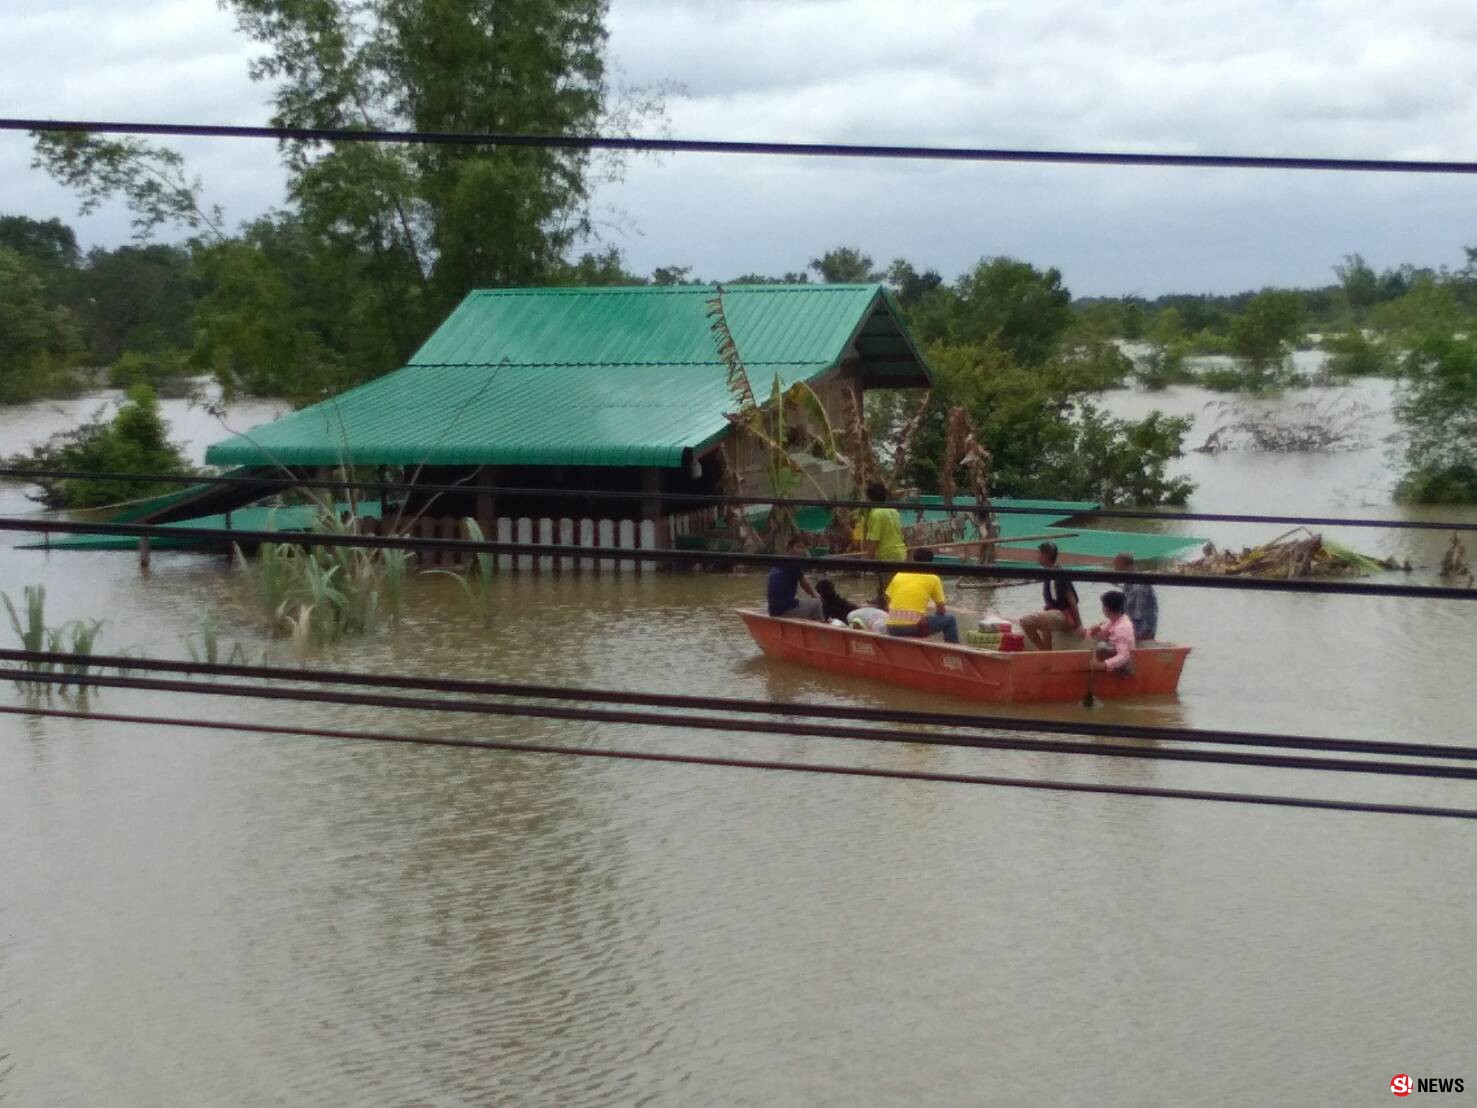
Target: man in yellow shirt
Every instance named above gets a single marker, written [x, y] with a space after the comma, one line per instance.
[880, 530]
[908, 597]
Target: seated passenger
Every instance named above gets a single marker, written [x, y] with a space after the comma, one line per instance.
[1115, 636]
[868, 619]
[1059, 600]
[1140, 603]
[833, 604]
[785, 584]
[908, 596]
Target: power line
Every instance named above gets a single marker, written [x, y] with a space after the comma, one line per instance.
[710, 499]
[769, 149]
[748, 726]
[758, 764]
[677, 702]
[718, 558]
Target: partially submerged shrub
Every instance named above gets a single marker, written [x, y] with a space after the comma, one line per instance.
[1326, 424]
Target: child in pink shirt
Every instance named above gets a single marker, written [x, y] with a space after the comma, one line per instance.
[1116, 633]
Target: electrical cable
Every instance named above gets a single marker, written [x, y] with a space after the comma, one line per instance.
[677, 702]
[711, 499]
[713, 723]
[757, 764]
[772, 149]
[720, 558]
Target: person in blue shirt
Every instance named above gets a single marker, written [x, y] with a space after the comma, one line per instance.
[1141, 605]
[787, 582]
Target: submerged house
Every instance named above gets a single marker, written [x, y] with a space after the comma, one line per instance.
[614, 389]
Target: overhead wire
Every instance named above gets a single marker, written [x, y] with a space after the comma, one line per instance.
[718, 500]
[688, 721]
[679, 702]
[634, 144]
[618, 754]
[673, 556]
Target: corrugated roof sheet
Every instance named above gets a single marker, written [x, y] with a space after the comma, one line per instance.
[600, 377]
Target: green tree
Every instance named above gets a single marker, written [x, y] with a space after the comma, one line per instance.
[1046, 440]
[767, 279]
[1437, 409]
[137, 298]
[1264, 333]
[256, 331]
[673, 275]
[400, 233]
[438, 220]
[910, 285]
[135, 440]
[152, 180]
[1429, 308]
[1012, 304]
[1359, 282]
[599, 269]
[38, 342]
[1134, 321]
[49, 250]
[47, 243]
[845, 265]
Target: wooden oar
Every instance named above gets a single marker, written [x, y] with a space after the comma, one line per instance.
[1087, 699]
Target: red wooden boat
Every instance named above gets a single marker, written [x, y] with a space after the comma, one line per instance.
[1021, 677]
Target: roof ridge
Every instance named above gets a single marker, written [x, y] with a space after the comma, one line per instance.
[545, 365]
[671, 290]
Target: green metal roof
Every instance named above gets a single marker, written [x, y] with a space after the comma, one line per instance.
[1143, 545]
[599, 377]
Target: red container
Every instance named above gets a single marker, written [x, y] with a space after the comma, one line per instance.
[1012, 641]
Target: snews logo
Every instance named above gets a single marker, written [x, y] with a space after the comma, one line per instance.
[1402, 1084]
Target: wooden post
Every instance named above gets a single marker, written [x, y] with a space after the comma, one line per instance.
[587, 538]
[545, 538]
[627, 539]
[566, 538]
[525, 537]
[504, 534]
[651, 485]
[605, 532]
[143, 553]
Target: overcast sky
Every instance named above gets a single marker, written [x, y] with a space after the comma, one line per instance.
[1365, 78]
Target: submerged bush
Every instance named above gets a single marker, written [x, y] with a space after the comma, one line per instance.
[135, 440]
[1249, 377]
[168, 374]
[1437, 409]
[1162, 366]
[1354, 354]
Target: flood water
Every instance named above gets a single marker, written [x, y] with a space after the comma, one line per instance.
[202, 917]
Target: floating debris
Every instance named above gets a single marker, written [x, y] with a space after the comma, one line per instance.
[1299, 553]
[1454, 564]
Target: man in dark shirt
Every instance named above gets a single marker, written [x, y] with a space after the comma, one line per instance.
[785, 584]
[1059, 603]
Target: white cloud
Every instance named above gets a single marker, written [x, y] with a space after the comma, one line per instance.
[1352, 78]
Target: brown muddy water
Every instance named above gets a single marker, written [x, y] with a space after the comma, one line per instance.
[190, 917]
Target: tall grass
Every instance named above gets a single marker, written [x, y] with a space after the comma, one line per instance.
[318, 595]
[475, 579]
[205, 645]
[75, 638]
